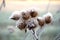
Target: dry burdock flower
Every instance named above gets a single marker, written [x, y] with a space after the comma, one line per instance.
[21, 26]
[26, 20]
[48, 18]
[25, 15]
[15, 15]
[40, 21]
[31, 24]
[33, 13]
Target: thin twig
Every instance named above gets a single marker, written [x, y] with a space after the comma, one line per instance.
[35, 35]
[2, 4]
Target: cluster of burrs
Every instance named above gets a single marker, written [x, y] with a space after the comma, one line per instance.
[28, 19]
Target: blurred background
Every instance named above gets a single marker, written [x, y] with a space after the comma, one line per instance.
[8, 29]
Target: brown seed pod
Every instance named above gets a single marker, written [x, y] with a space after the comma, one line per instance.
[41, 22]
[33, 13]
[25, 16]
[15, 17]
[21, 26]
[48, 19]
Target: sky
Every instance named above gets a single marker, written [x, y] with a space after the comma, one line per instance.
[21, 4]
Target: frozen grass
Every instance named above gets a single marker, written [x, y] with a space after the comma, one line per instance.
[50, 32]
